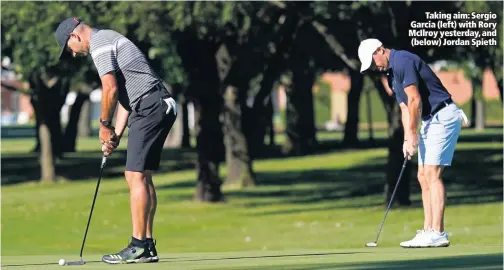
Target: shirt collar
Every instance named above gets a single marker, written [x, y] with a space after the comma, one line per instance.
[94, 31]
[391, 59]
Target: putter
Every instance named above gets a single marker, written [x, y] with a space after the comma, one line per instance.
[81, 262]
[375, 243]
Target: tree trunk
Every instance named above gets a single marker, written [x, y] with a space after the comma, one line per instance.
[352, 124]
[47, 168]
[186, 133]
[499, 84]
[271, 125]
[70, 137]
[47, 101]
[53, 122]
[395, 156]
[36, 112]
[208, 188]
[262, 120]
[369, 109]
[480, 115]
[239, 161]
[234, 78]
[263, 105]
[472, 120]
[210, 149]
[199, 63]
[477, 120]
[301, 131]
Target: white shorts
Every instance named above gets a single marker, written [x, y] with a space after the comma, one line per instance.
[439, 135]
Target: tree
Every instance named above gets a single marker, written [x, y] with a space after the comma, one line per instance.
[475, 60]
[242, 59]
[300, 129]
[204, 90]
[27, 27]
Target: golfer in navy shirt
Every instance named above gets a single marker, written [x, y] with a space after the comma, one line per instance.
[422, 98]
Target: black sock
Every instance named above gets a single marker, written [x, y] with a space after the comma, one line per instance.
[149, 240]
[137, 243]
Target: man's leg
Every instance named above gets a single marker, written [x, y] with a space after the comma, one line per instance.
[152, 163]
[436, 236]
[153, 204]
[426, 197]
[439, 148]
[437, 196]
[139, 203]
[137, 249]
[151, 245]
[418, 240]
[139, 142]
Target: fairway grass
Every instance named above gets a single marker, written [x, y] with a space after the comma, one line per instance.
[455, 257]
[312, 212]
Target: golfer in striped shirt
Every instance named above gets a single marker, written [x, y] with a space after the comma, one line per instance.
[143, 104]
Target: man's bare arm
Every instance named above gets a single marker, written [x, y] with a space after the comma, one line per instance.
[121, 120]
[414, 109]
[109, 96]
[404, 117]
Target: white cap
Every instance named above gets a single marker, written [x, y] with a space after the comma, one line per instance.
[366, 49]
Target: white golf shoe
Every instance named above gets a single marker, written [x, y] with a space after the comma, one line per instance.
[416, 241]
[437, 239]
[425, 239]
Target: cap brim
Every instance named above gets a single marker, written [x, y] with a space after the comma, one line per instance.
[61, 53]
[64, 52]
[366, 64]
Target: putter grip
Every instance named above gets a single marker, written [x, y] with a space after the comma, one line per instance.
[103, 161]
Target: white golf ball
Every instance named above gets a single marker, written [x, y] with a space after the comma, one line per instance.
[62, 262]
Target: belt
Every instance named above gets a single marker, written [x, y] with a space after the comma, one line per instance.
[154, 89]
[443, 104]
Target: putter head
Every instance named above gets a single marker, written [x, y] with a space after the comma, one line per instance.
[81, 262]
[371, 244]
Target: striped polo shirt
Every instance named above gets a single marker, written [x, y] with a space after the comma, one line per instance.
[113, 52]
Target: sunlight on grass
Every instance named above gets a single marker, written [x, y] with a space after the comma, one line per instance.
[318, 202]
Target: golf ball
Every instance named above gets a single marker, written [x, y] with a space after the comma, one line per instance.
[62, 262]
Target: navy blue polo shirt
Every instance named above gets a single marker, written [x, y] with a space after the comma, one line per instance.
[406, 68]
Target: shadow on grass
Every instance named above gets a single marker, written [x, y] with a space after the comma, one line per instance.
[85, 165]
[480, 171]
[475, 177]
[487, 261]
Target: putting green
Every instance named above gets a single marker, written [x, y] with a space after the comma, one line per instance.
[454, 257]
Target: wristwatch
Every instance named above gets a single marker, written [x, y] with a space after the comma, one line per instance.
[106, 123]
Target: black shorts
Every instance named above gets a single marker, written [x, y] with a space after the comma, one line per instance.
[148, 127]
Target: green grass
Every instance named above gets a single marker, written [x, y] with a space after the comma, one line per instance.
[460, 257]
[328, 204]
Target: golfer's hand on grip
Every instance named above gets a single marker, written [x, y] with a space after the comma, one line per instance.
[106, 151]
[108, 139]
[410, 146]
